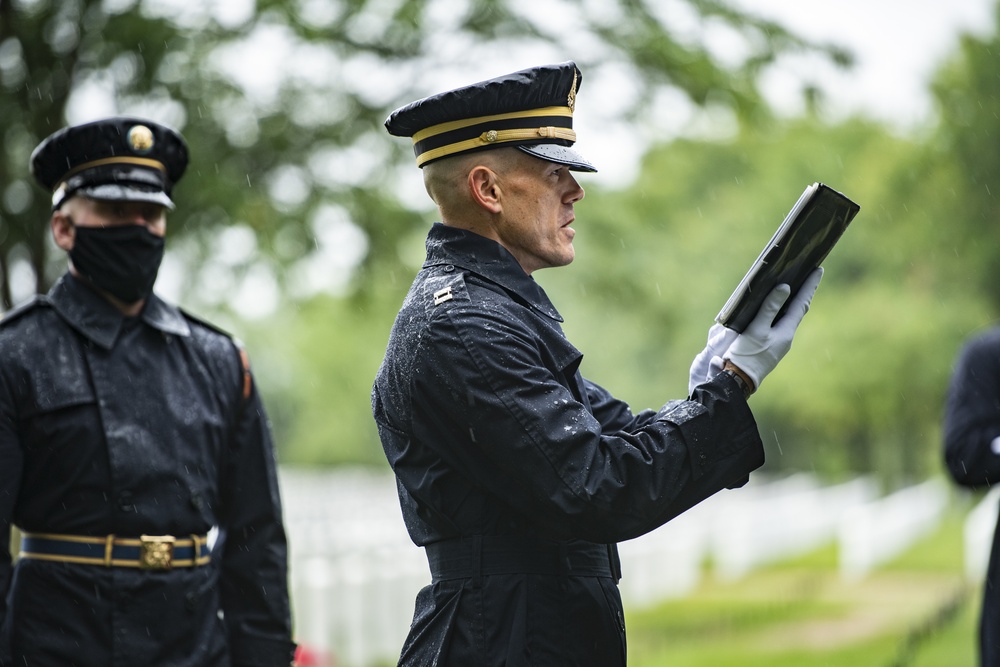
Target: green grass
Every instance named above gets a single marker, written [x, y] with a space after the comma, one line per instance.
[917, 611]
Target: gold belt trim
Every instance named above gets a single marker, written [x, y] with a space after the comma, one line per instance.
[152, 552]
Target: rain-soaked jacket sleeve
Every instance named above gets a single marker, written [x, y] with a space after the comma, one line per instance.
[11, 460]
[613, 414]
[485, 390]
[254, 552]
[972, 414]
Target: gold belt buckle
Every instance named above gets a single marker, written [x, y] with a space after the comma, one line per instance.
[156, 552]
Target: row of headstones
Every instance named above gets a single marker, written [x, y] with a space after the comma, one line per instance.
[743, 530]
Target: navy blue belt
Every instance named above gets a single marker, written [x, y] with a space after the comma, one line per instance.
[476, 557]
[147, 552]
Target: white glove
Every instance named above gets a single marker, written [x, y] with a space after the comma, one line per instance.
[709, 362]
[762, 345]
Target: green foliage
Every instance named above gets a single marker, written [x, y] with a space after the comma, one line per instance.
[283, 107]
[315, 366]
[967, 90]
[862, 388]
[285, 159]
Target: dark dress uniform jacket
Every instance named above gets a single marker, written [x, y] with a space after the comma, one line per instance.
[133, 426]
[971, 422]
[502, 449]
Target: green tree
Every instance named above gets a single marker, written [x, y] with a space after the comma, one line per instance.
[283, 105]
[862, 388]
[967, 91]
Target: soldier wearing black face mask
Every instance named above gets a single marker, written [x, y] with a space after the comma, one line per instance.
[122, 260]
[128, 431]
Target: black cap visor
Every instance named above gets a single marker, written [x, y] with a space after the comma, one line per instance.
[116, 182]
[126, 192]
[560, 155]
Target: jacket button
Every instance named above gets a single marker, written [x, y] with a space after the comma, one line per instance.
[196, 501]
[125, 502]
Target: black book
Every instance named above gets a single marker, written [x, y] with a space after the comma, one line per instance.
[802, 242]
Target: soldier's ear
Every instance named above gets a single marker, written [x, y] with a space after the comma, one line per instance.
[63, 229]
[484, 188]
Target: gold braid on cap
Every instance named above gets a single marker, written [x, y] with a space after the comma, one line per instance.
[458, 136]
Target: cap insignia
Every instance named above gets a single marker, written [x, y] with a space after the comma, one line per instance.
[140, 139]
[571, 98]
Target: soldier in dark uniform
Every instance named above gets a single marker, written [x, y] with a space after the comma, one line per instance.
[128, 430]
[972, 456]
[517, 474]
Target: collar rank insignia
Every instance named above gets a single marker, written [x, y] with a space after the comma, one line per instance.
[442, 295]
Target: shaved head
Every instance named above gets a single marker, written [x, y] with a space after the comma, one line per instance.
[445, 180]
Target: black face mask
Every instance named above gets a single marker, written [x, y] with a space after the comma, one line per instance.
[122, 260]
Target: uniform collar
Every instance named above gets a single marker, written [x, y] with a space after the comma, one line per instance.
[94, 317]
[487, 258]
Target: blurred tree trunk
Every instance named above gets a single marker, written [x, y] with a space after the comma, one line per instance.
[40, 46]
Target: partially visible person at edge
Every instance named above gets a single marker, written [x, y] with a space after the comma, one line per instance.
[515, 473]
[972, 456]
[128, 429]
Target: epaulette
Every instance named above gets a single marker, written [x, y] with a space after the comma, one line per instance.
[237, 343]
[205, 323]
[14, 313]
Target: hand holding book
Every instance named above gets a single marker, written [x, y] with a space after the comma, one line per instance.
[801, 243]
[768, 337]
[754, 330]
[756, 351]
